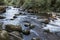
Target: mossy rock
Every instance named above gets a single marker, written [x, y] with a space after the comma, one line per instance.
[10, 27]
[46, 21]
[26, 32]
[4, 35]
[48, 31]
[2, 10]
[31, 26]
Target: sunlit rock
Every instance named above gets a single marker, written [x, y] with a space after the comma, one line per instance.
[2, 17]
[32, 26]
[13, 28]
[26, 23]
[4, 35]
[35, 38]
[26, 32]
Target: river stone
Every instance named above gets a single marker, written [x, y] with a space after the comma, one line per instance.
[35, 38]
[46, 21]
[26, 32]
[14, 16]
[31, 26]
[17, 14]
[10, 27]
[47, 31]
[20, 13]
[2, 17]
[12, 19]
[17, 34]
[1, 24]
[4, 35]
[2, 10]
[26, 24]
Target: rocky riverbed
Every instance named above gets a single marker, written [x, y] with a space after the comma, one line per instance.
[21, 25]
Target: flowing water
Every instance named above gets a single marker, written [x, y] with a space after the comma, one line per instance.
[25, 16]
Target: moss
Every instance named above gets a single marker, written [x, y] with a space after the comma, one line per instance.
[11, 27]
[26, 32]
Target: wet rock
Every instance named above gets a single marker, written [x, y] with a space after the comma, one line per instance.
[2, 10]
[10, 27]
[4, 35]
[17, 14]
[35, 38]
[26, 32]
[46, 21]
[1, 24]
[2, 17]
[14, 16]
[32, 26]
[47, 31]
[26, 23]
[20, 13]
[12, 19]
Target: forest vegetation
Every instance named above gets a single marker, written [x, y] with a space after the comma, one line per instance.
[35, 5]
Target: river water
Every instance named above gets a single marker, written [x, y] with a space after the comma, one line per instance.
[33, 19]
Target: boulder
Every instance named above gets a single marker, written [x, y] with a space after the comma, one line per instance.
[32, 26]
[26, 32]
[2, 17]
[12, 19]
[46, 21]
[26, 23]
[4, 35]
[2, 10]
[10, 27]
[17, 34]
[14, 16]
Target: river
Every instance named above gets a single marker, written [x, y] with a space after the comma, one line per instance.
[22, 16]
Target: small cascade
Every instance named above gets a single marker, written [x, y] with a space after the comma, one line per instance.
[53, 26]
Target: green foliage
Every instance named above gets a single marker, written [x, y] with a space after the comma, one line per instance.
[1, 2]
[41, 5]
